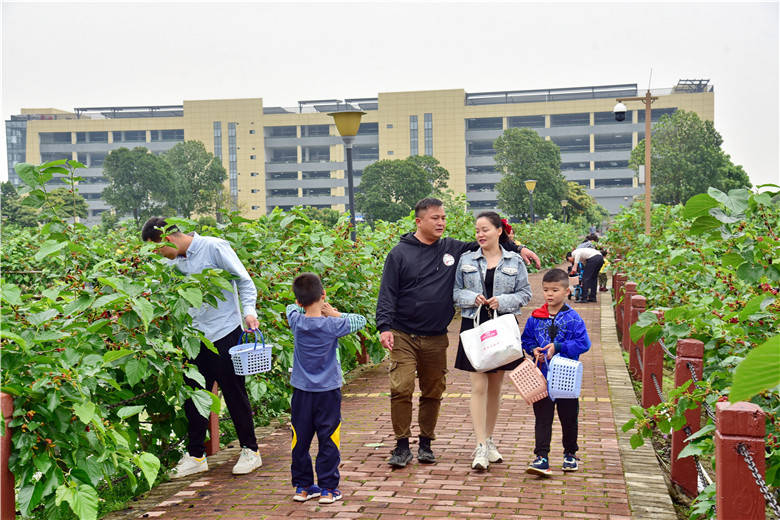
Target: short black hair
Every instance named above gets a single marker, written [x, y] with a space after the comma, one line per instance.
[556, 276]
[570, 254]
[153, 229]
[307, 288]
[427, 202]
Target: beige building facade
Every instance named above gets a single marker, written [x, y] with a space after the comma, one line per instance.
[286, 156]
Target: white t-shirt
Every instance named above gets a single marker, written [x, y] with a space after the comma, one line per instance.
[582, 254]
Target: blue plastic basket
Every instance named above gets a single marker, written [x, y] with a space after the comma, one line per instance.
[249, 358]
[564, 378]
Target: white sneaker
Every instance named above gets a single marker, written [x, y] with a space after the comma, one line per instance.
[480, 458]
[189, 465]
[248, 461]
[492, 452]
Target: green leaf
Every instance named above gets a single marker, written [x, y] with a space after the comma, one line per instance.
[193, 295]
[638, 411]
[194, 374]
[205, 402]
[628, 425]
[678, 422]
[85, 411]
[636, 441]
[145, 311]
[690, 450]
[699, 205]
[48, 247]
[677, 256]
[191, 346]
[113, 355]
[701, 433]
[79, 305]
[83, 500]
[149, 465]
[42, 317]
[751, 307]
[749, 272]
[759, 371]
[704, 224]
[731, 260]
[135, 370]
[722, 217]
[108, 299]
[30, 496]
[11, 294]
[127, 411]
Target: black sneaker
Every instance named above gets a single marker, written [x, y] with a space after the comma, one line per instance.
[570, 463]
[540, 466]
[400, 457]
[425, 454]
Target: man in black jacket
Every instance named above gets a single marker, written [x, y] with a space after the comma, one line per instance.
[412, 314]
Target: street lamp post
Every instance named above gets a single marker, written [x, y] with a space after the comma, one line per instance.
[530, 185]
[348, 123]
[620, 115]
[564, 203]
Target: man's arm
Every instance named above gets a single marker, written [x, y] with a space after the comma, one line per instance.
[228, 260]
[527, 255]
[387, 301]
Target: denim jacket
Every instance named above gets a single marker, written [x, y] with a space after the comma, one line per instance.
[510, 283]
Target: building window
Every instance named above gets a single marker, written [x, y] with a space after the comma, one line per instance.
[390, 152]
[480, 187]
[368, 129]
[605, 142]
[614, 183]
[97, 137]
[55, 137]
[575, 166]
[316, 192]
[658, 113]
[573, 143]
[96, 159]
[608, 118]
[413, 136]
[482, 204]
[611, 165]
[428, 125]
[481, 149]
[281, 131]
[317, 175]
[283, 175]
[289, 192]
[570, 119]
[389, 125]
[218, 140]
[525, 122]
[81, 137]
[251, 131]
[255, 207]
[485, 123]
[55, 156]
[253, 157]
[481, 169]
[284, 155]
[315, 130]
[253, 190]
[315, 154]
[365, 152]
[83, 158]
[130, 136]
[233, 163]
[254, 174]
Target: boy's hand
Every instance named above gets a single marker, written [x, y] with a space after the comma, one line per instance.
[329, 310]
[548, 350]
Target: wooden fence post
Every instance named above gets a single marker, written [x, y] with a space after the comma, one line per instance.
[363, 357]
[653, 361]
[738, 497]
[628, 292]
[684, 470]
[620, 282]
[212, 445]
[7, 496]
[638, 304]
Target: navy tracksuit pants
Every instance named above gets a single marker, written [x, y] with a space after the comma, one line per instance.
[320, 413]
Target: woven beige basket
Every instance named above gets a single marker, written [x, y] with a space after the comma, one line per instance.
[529, 381]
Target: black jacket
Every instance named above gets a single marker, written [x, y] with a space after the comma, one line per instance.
[416, 292]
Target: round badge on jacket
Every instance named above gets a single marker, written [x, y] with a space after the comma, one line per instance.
[448, 259]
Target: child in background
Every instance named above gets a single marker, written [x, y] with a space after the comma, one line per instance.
[603, 273]
[555, 328]
[316, 380]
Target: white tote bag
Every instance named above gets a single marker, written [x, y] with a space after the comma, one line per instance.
[492, 344]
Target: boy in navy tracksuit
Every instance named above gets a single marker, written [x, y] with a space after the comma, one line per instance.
[316, 380]
[555, 328]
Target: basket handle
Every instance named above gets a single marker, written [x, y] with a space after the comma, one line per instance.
[262, 338]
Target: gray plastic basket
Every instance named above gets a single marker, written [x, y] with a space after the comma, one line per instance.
[249, 358]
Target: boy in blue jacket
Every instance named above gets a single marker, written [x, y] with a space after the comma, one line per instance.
[316, 380]
[555, 328]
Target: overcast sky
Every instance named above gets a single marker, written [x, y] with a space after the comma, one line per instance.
[67, 55]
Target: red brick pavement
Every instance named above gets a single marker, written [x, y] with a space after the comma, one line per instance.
[448, 489]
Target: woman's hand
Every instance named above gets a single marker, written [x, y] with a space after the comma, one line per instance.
[492, 303]
[480, 300]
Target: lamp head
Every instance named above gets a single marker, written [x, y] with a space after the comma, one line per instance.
[620, 111]
[564, 202]
[347, 122]
[530, 185]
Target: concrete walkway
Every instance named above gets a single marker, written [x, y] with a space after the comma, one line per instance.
[614, 483]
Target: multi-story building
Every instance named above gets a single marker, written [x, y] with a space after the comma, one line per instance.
[278, 156]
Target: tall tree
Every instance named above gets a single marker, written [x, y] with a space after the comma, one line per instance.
[140, 183]
[687, 159]
[523, 154]
[389, 189]
[435, 173]
[13, 211]
[66, 204]
[199, 177]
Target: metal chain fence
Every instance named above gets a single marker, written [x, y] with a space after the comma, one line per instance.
[770, 499]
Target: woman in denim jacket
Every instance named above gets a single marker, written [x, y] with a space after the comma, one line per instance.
[496, 279]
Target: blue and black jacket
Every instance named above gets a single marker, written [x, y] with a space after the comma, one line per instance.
[565, 330]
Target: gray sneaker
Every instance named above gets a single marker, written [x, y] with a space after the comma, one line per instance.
[480, 462]
[492, 452]
[400, 457]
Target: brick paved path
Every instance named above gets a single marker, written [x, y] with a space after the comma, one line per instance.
[448, 489]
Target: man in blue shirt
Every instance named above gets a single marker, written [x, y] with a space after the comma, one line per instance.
[222, 326]
[316, 380]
